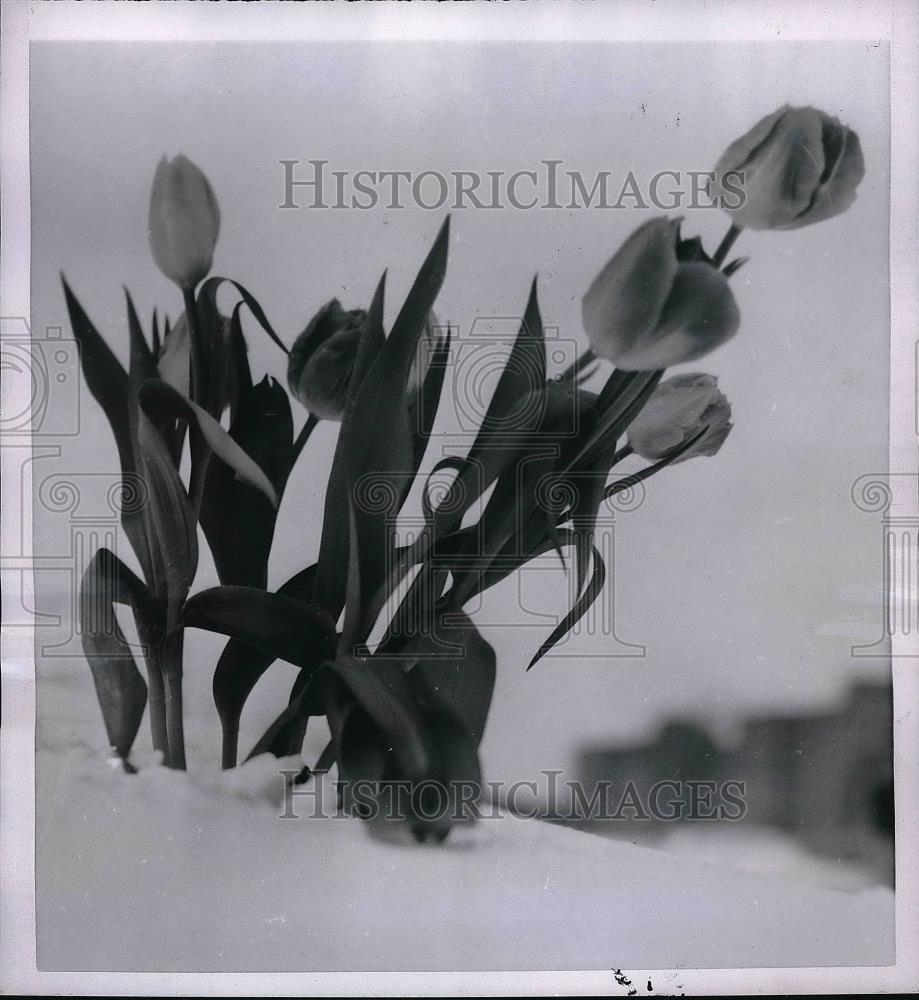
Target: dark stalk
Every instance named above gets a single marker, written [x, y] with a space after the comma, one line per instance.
[724, 248]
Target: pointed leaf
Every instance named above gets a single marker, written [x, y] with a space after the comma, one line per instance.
[286, 628]
[208, 292]
[381, 443]
[523, 374]
[241, 665]
[155, 334]
[158, 398]
[381, 689]
[172, 537]
[581, 607]
[424, 411]
[284, 737]
[617, 408]
[120, 687]
[463, 682]
[332, 574]
[636, 477]
[143, 363]
[111, 388]
[239, 520]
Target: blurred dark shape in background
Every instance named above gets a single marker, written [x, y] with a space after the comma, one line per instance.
[824, 779]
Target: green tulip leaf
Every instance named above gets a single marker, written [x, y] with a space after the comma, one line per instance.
[120, 687]
[159, 398]
[143, 363]
[621, 400]
[523, 374]
[241, 665]
[284, 737]
[208, 293]
[111, 387]
[285, 628]
[424, 412]
[263, 429]
[636, 477]
[332, 572]
[380, 448]
[580, 608]
[382, 690]
[171, 524]
[463, 682]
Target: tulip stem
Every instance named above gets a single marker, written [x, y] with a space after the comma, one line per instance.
[326, 759]
[157, 703]
[303, 437]
[171, 653]
[575, 369]
[724, 247]
[197, 348]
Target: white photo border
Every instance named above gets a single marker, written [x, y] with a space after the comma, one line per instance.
[894, 21]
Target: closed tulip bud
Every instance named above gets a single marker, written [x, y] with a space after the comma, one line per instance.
[679, 410]
[320, 362]
[184, 221]
[795, 167]
[658, 302]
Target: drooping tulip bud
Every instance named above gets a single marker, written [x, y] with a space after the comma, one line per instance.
[321, 360]
[681, 408]
[658, 302]
[795, 167]
[184, 221]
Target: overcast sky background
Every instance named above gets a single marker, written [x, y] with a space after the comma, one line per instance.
[747, 576]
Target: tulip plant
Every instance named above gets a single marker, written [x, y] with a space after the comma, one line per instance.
[412, 709]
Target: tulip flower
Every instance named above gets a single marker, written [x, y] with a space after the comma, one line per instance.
[184, 221]
[680, 409]
[795, 167]
[320, 363]
[658, 302]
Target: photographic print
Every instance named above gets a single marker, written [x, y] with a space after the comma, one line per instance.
[463, 531]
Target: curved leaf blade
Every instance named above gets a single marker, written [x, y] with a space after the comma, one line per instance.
[280, 625]
[332, 574]
[381, 444]
[238, 519]
[111, 387]
[158, 398]
[241, 665]
[120, 688]
[580, 608]
[171, 524]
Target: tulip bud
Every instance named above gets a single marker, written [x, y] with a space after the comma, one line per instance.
[184, 221]
[795, 167]
[680, 409]
[658, 302]
[320, 363]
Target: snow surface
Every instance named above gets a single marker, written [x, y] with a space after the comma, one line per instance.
[162, 871]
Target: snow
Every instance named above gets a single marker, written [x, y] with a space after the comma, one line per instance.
[163, 871]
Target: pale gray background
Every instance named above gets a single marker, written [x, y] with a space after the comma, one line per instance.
[747, 576]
